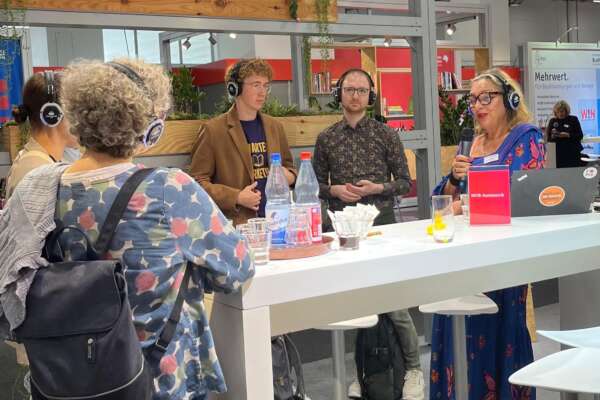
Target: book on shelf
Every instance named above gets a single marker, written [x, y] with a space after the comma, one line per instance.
[321, 82]
[449, 81]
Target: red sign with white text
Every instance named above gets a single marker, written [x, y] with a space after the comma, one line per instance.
[489, 195]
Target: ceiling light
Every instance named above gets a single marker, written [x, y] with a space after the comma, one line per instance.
[387, 42]
[186, 44]
[233, 35]
[450, 29]
[212, 39]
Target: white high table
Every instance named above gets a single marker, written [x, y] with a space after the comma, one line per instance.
[401, 268]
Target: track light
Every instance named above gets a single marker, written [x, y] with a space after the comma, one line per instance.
[450, 29]
[387, 42]
[186, 44]
[233, 35]
[212, 39]
[573, 28]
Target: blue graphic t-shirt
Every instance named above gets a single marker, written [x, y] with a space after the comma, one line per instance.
[255, 135]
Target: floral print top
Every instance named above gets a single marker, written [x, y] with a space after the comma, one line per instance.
[169, 220]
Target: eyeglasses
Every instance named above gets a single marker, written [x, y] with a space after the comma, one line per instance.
[484, 98]
[352, 90]
[258, 86]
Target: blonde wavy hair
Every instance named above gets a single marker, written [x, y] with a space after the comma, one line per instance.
[561, 105]
[249, 67]
[516, 117]
[108, 111]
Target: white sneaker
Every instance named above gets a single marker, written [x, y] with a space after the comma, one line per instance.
[354, 391]
[414, 385]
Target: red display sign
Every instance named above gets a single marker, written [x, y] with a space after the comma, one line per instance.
[489, 195]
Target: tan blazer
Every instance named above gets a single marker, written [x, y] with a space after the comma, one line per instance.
[222, 164]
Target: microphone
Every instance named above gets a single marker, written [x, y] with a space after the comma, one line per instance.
[466, 141]
[464, 149]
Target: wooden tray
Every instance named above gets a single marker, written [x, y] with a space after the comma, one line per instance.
[289, 253]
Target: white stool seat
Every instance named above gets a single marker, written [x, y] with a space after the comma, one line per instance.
[589, 337]
[363, 322]
[466, 305]
[573, 370]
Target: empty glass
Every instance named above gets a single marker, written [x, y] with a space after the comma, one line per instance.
[258, 237]
[298, 231]
[442, 218]
[464, 206]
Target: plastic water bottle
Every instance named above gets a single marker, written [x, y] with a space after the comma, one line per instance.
[277, 208]
[307, 195]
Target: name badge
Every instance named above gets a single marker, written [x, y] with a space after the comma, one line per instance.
[491, 158]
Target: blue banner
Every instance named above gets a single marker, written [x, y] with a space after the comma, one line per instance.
[11, 77]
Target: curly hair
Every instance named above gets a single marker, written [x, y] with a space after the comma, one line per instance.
[254, 66]
[108, 111]
[561, 105]
[518, 116]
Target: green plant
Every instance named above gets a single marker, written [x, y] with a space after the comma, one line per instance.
[293, 8]
[185, 94]
[325, 39]
[453, 118]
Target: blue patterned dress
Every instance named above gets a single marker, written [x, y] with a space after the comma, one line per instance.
[498, 344]
[169, 220]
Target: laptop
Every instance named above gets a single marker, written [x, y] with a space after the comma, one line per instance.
[553, 191]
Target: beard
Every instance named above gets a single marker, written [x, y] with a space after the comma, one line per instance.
[354, 109]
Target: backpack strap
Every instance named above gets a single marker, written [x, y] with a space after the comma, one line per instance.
[118, 208]
[158, 348]
[294, 359]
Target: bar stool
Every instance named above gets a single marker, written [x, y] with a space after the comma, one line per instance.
[573, 370]
[458, 308]
[339, 351]
[589, 337]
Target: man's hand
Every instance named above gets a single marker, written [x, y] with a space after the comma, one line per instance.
[289, 176]
[365, 188]
[249, 197]
[342, 193]
[564, 135]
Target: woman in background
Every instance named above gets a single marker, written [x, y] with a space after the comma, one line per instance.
[564, 130]
[49, 129]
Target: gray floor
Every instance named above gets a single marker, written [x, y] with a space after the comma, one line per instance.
[317, 375]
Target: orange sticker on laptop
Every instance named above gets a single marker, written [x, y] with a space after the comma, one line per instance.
[552, 196]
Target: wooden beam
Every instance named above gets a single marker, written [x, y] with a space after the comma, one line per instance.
[255, 9]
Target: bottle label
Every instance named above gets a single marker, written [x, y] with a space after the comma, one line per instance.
[278, 218]
[316, 224]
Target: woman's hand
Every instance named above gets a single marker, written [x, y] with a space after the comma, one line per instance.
[460, 166]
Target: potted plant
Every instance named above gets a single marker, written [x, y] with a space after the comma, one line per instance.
[453, 119]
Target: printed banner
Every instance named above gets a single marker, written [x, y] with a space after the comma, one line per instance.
[573, 76]
[11, 77]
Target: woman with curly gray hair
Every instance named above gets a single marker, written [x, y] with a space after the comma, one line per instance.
[115, 109]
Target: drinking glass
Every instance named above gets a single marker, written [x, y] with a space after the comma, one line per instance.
[464, 205]
[442, 218]
[260, 244]
[298, 231]
[348, 231]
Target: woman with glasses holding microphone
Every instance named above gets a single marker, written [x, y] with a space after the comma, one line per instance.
[498, 344]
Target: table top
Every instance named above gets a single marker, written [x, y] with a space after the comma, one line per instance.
[404, 253]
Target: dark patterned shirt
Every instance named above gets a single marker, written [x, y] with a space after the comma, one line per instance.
[371, 151]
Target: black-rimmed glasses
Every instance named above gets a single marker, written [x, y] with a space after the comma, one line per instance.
[484, 98]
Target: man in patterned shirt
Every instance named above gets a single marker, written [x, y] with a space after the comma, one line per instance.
[361, 160]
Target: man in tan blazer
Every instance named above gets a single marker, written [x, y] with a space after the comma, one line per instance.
[230, 158]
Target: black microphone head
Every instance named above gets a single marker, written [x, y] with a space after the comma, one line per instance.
[467, 135]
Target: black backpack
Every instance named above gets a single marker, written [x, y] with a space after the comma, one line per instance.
[78, 331]
[288, 380]
[379, 361]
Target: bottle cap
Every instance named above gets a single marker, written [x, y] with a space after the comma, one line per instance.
[305, 155]
[275, 158]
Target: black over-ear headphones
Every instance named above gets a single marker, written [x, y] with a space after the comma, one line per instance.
[156, 127]
[510, 97]
[337, 90]
[51, 113]
[234, 85]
